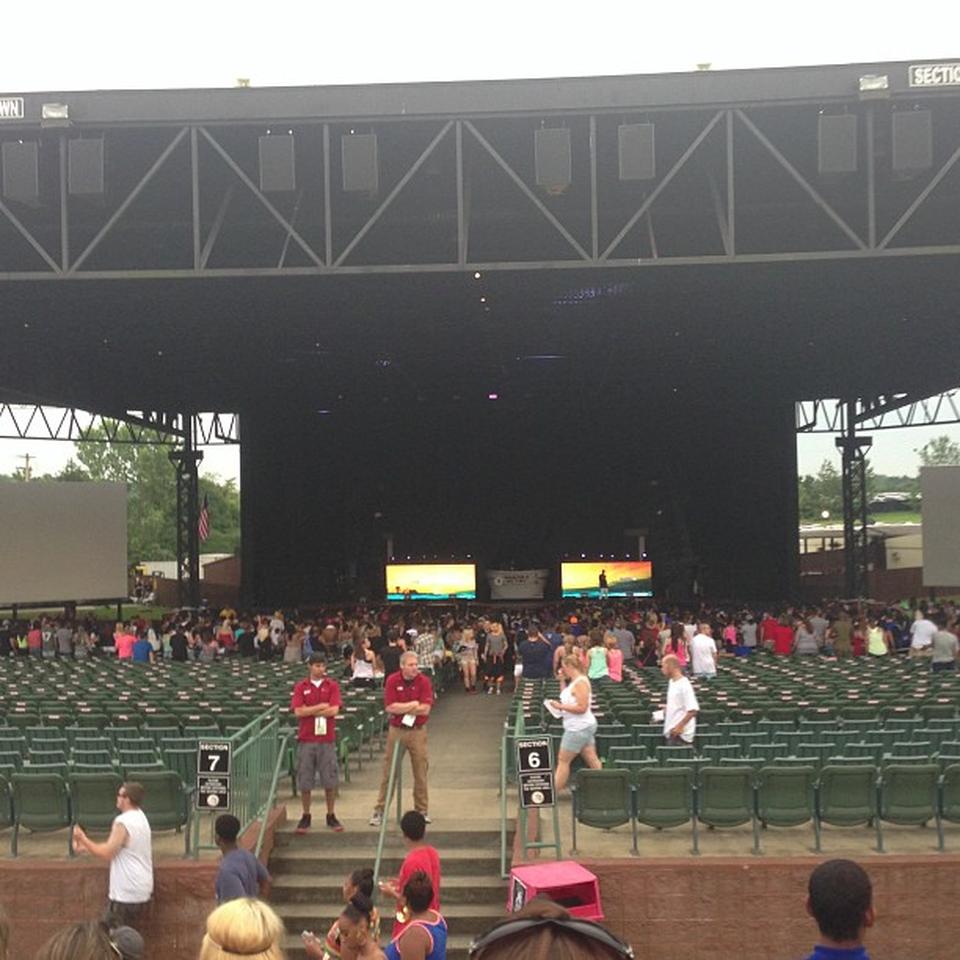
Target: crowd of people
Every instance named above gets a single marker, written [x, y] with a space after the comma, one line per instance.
[490, 646]
[400, 648]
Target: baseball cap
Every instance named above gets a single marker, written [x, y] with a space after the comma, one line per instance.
[128, 942]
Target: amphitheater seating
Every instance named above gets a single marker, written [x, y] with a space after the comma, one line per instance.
[109, 719]
[822, 742]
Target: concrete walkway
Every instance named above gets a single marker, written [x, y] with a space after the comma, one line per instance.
[464, 734]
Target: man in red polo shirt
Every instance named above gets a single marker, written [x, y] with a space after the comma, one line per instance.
[408, 697]
[315, 703]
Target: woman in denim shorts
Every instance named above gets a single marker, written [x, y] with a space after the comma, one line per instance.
[579, 723]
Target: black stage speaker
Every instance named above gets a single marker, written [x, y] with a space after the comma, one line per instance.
[277, 163]
[21, 175]
[85, 167]
[837, 143]
[552, 157]
[361, 163]
[912, 133]
[637, 151]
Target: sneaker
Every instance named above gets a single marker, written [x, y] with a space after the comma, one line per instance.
[426, 818]
[376, 819]
[304, 825]
[333, 823]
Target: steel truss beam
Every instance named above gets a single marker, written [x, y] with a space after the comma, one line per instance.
[149, 428]
[729, 128]
[878, 413]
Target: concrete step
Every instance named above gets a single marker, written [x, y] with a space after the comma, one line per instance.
[440, 834]
[470, 919]
[455, 861]
[326, 889]
[458, 946]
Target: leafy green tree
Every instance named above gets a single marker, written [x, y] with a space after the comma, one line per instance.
[152, 497]
[939, 452]
[821, 492]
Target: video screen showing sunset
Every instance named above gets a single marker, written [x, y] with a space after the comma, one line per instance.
[627, 578]
[431, 581]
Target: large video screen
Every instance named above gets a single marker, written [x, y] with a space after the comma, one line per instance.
[62, 541]
[626, 578]
[431, 581]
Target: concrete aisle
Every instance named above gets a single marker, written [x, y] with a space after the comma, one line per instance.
[464, 745]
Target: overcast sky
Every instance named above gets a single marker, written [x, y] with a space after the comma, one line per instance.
[108, 44]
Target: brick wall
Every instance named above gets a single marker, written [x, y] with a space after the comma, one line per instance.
[42, 896]
[723, 908]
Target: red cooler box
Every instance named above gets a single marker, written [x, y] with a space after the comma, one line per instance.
[572, 886]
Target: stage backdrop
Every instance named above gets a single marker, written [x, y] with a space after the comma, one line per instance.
[625, 578]
[517, 584]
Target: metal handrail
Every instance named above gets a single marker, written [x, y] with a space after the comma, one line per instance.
[391, 782]
[272, 793]
[518, 731]
[256, 738]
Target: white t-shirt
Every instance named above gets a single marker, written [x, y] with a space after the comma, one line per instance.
[575, 721]
[131, 870]
[922, 633]
[749, 633]
[703, 651]
[680, 700]
[689, 629]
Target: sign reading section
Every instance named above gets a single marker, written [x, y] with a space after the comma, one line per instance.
[535, 772]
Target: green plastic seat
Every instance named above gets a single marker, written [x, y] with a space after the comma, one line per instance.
[786, 797]
[41, 802]
[626, 753]
[908, 795]
[664, 797]
[94, 799]
[725, 798]
[605, 741]
[715, 753]
[167, 803]
[182, 762]
[847, 797]
[602, 799]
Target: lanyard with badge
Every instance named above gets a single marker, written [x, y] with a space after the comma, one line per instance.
[408, 719]
[319, 723]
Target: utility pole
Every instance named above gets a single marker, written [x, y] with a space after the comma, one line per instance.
[25, 471]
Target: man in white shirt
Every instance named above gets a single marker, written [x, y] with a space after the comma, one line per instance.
[680, 713]
[128, 850]
[703, 652]
[922, 632]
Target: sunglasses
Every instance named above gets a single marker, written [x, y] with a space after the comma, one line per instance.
[585, 928]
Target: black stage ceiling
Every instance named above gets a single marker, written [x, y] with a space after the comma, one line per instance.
[628, 356]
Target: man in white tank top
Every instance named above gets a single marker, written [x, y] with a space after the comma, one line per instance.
[128, 850]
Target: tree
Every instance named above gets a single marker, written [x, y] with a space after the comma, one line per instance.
[821, 492]
[939, 452]
[152, 497]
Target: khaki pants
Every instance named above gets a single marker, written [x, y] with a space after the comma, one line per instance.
[414, 741]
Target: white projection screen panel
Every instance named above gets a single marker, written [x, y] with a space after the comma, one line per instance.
[940, 489]
[62, 541]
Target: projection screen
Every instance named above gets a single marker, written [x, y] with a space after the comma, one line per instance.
[940, 489]
[62, 541]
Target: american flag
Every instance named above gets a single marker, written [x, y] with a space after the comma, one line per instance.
[203, 524]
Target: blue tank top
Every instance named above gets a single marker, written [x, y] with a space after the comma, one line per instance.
[438, 936]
